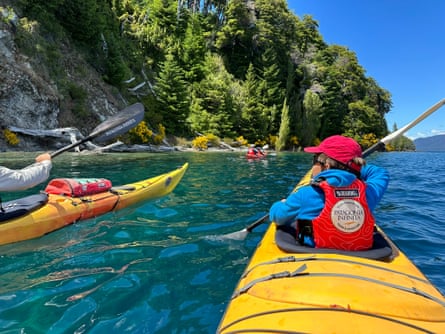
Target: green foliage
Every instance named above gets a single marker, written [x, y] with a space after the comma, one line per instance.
[236, 37]
[403, 143]
[213, 105]
[194, 50]
[311, 118]
[252, 121]
[284, 129]
[173, 98]
[216, 67]
[82, 18]
[78, 97]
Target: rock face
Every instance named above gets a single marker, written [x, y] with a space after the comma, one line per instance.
[29, 99]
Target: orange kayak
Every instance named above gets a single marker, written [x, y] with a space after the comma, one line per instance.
[57, 211]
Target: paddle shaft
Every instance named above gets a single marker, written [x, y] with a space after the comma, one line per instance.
[112, 127]
[69, 147]
[401, 131]
[379, 145]
[258, 222]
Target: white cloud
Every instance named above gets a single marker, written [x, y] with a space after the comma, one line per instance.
[421, 134]
[435, 132]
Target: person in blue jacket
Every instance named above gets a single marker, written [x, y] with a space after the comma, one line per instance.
[28, 177]
[337, 160]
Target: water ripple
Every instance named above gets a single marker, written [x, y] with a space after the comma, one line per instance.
[165, 266]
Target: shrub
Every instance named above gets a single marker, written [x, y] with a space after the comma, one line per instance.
[242, 141]
[160, 136]
[273, 140]
[212, 140]
[141, 133]
[200, 143]
[10, 137]
[260, 143]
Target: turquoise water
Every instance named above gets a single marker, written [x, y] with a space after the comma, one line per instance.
[162, 267]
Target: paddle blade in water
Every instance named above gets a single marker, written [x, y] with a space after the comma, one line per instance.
[238, 235]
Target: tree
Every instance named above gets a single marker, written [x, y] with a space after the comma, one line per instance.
[213, 107]
[252, 117]
[193, 50]
[270, 91]
[343, 82]
[402, 143]
[219, 66]
[82, 19]
[308, 35]
[172, 97]
[277, 29]
[311, 118]
[361, 119]
[235, 39]
[284, 128]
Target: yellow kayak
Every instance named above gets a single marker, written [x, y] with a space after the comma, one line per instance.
[58, 210]
[288, 288]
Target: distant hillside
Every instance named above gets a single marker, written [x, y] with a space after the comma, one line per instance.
[434, 143]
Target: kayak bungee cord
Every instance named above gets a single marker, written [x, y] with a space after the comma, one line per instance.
[293, 259]
[335, 308]
[300, 272]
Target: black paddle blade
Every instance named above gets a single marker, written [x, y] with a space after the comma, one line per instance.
[112, 127]
[120, 123]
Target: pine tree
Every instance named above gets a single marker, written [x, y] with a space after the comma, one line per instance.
[251, 108]
[270, 92]
[172, 97]
[212, 100]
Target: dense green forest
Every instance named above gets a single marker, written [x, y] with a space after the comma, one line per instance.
[247, 69]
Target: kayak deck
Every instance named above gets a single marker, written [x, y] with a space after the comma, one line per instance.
[62, 210]
[332, 293]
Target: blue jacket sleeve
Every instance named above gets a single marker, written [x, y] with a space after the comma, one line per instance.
[281, 212]
[377, 179]
[296, 206]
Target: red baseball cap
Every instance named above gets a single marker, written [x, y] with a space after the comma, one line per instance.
[340, 148]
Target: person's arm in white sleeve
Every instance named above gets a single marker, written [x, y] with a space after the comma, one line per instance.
[28, 177]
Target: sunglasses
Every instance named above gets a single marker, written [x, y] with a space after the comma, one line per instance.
[316, 161]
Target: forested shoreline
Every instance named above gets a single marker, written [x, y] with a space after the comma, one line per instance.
[238, 70]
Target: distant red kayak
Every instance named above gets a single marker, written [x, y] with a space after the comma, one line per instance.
[255, 156]
[255, 153]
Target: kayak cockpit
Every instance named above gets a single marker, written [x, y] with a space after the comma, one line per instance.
[22, 206]
[285, 238]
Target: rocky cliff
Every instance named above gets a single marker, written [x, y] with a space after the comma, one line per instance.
[31, 99]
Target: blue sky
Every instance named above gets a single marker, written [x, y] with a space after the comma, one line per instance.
[399, 43]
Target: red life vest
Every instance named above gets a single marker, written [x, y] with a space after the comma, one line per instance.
[346, 222]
